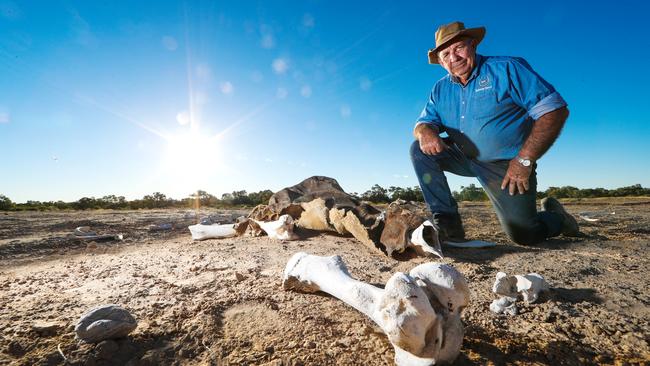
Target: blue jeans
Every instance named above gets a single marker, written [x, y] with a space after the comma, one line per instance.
[517, 214]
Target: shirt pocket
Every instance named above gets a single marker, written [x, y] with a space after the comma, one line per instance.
[483, 105]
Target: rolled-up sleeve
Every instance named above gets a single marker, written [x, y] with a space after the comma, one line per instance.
[531, 91]
[429, 114]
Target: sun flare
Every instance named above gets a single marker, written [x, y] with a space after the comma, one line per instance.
[191, 157]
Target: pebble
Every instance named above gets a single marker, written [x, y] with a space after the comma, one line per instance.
[310, 345]
[239, 277]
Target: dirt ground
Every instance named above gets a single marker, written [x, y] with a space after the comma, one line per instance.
[220, 302]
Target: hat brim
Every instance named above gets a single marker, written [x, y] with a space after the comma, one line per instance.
[475, 33]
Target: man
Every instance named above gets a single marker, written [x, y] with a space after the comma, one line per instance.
[500, 117]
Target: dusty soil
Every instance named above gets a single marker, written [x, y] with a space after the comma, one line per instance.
[220, 302]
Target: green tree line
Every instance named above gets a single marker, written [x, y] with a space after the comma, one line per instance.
[376, 194]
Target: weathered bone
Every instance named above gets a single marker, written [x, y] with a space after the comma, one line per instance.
[315, 215]
[202, 232]
[419, 311]
[281, 229]
[529, 286]
[424, 239]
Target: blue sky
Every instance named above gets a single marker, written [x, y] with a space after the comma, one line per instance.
[129, 98]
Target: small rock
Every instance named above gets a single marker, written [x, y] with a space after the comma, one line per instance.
[46, 329]
[106, 349]
[105, 322]
[239, 277]
[310, 345]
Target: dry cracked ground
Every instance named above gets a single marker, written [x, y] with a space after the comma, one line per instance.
[220, 302]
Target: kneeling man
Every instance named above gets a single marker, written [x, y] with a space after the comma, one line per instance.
[500, 117]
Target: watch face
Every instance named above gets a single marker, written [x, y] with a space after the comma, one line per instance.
[524, 162]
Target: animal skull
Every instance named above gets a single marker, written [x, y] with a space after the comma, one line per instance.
[418, 311]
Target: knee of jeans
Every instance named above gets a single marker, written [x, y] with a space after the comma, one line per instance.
[415, 149]
[521, 235]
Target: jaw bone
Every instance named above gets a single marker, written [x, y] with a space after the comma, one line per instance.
[419, 311]
[281, 229]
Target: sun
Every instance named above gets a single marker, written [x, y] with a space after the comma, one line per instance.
[190, 159]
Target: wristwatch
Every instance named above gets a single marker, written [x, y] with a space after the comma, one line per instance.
[523, 161]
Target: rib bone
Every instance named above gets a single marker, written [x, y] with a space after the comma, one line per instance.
[419, 311]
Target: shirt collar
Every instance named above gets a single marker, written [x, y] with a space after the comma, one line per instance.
[475, 71]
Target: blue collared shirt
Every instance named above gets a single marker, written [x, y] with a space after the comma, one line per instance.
[491, 117]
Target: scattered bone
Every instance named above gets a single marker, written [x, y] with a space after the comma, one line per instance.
[471, 244]
[424, 239]
[419, 311]
[353, 225]
[587, 218]
[202, 232]
[336, 216]
[105, 322]
[506, 305]
[402, 219]
[281, 229]
[315, 215]
[84, 233]
[529, 286]
[248, 227]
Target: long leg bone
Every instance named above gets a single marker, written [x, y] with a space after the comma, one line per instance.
[419, 311]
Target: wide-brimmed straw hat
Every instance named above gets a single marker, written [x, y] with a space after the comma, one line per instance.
[449, 32]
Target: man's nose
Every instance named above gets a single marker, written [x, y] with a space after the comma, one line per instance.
[453, 57]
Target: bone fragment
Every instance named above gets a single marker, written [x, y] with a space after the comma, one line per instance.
[506, 305]
[424, 239]
[281, 229]
[529, 286]
[84, 233]
[336, 216]
[315, 215]
[202, 232]
[354, 226]
[419, 311]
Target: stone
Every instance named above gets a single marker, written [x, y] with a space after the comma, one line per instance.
[105, 322]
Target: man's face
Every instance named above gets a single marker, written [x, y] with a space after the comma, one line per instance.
[459, 58]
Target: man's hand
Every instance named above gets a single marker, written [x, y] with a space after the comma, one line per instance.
[516, 178]
[430, 142]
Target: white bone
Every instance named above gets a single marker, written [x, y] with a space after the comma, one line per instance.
[529, 286]
[504, 305]
[418, 324]
[419, 242]
[201, 232]
[281, 229]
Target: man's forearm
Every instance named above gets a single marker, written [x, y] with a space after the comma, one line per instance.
[424, 128]
[544, 133]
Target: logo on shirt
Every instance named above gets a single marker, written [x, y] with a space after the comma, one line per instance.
[483, 84]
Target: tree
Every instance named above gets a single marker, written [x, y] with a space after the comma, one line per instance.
[5, 203]
[376, 194]
[470, 193]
